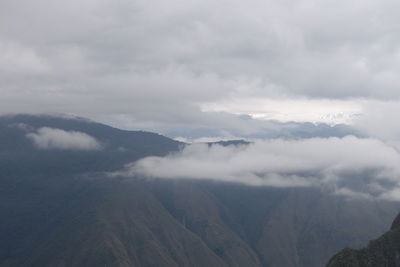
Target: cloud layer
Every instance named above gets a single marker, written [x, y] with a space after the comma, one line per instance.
[348, 166]
[154, 64]
[51, 138]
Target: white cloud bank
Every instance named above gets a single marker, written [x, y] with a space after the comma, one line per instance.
[347, 166]
[51, 138]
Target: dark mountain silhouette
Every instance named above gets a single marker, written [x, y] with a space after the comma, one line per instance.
[60, 208]
[384, 251]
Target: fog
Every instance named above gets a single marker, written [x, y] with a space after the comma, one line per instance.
[349, 166]
[50, 138]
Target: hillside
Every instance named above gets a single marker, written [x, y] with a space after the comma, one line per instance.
[384, 251]
[60, 208]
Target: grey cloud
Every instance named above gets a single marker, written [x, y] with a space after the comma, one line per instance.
[51, 138]
[343, 166]
[153, 61]
[15, 59]
[379, 120]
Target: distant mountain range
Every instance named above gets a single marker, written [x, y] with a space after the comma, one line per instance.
[275, 129]
[59, 207]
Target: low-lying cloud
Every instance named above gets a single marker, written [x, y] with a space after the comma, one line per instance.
[51, 138]
[349, 166]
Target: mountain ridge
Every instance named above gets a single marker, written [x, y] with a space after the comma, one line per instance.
[383, 251]
[60, 209]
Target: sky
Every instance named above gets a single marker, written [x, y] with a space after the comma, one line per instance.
[230, 66]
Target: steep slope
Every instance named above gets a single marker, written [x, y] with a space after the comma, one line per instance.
[60, 208]
[384, 251]
[284, 227]
[121, 225]
[19, 154]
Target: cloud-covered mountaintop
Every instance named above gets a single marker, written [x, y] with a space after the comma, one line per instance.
[64, 144]
[324, 158]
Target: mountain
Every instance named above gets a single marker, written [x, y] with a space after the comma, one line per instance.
[60, 207]
[384, 251]
[273, 130]
[119, 146]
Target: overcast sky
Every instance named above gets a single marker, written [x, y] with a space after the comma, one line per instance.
[201, 63]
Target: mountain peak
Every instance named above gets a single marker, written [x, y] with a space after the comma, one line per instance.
[396, 223]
